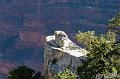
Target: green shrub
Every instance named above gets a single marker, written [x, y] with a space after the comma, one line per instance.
[65, 74]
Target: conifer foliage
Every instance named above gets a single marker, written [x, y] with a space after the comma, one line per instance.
[104, 57]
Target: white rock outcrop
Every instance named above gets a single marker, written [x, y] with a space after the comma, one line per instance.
[60, 53]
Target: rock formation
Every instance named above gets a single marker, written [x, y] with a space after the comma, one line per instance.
[61, 53]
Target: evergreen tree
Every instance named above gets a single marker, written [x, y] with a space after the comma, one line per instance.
[104, 56]
[23, 72]
[114, 24]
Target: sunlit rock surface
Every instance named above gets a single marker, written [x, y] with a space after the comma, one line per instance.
[61, 53]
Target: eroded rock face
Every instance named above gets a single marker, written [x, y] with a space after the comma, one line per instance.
[61, 53]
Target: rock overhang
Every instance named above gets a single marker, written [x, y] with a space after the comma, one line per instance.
[73, 49]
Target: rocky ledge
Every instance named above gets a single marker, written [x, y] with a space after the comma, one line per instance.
[60, 53]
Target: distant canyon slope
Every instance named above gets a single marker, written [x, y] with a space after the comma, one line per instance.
[25, 23]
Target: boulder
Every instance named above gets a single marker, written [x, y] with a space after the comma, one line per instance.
[60, 53]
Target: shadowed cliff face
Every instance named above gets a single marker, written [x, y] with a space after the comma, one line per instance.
[24, 24]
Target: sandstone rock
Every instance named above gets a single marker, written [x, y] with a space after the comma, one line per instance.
[60, 53]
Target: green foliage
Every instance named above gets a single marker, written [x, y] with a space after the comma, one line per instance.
[86, 37]
[104, 54]
[92, 42]
[114, 24]
[23, 72]
[66, 74]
